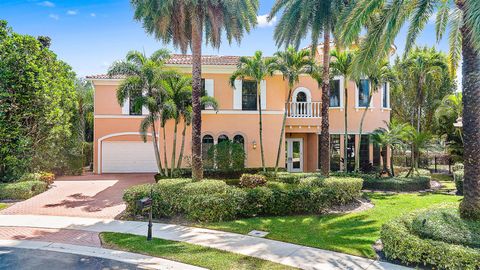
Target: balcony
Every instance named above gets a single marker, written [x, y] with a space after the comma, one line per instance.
[304, 109]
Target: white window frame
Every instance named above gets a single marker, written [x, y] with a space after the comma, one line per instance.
[342, 93]
[357, 101]
[388, 96]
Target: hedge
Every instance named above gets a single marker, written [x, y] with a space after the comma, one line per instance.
[288, 177]
[400, 243]
[21, 190]
[397, 183]
[218, 174]
[213, 200]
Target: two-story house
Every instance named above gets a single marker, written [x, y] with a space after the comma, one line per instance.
[118, 147]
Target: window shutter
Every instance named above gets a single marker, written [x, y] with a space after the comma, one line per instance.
[237, 95]
[263, 94]
[209, 90]
[126, 106]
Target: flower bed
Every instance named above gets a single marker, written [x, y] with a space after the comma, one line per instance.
[213, 200]
[426, 238]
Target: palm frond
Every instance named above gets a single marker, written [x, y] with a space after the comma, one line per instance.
[455, 39]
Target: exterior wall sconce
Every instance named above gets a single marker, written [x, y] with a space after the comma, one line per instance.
[254, 144]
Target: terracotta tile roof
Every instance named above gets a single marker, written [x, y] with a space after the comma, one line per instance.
[180, 59]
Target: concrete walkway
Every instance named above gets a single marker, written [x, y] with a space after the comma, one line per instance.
[138, 260]
[280, 252]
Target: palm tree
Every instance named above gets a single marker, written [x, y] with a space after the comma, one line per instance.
[463, 19]
[342, 65]
[391, 137]
[142, 84]
[318, 18]
[291, 63]
[424, 66]
[256, 68]
[418, 140]
[377, 74]
[449, 111]
[179, 92]
[186, 23]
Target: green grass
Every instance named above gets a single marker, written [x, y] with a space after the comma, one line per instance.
[448, 185]
[3, 205]
[186, 253]
[352, 233]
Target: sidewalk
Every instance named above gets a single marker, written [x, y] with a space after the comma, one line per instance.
[280, 252]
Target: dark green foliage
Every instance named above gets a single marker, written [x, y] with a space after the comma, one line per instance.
[38, 108]
[446, 225]
[213, 200]
[458, 177]
[21, 190]
[287, 177]
[397, 183]
[227, 156]
[252, 180]
[401, 243]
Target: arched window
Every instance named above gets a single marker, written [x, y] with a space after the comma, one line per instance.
[240, 140]
[207, 143]
[222, 138]
[301, 97]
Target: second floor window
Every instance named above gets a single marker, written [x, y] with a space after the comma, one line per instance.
[363, 92]
[335, 93]
[133, 110]
[385, 96]
[249, 96]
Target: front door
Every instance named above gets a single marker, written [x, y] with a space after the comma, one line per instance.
[294, 159]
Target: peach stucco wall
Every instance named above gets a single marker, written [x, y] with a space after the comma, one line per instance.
[109, 120]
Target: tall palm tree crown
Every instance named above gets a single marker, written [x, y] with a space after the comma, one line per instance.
[317, 17]
[384, 21]
[186, 23]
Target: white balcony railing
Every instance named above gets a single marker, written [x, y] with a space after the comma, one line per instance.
[304, 109]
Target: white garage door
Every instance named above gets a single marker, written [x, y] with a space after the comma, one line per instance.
[128, 157]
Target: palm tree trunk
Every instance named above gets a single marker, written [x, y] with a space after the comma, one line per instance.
[360, 131]
[345, 139]
[180, 156]
[156, 149]
[174, 149]
[197, 166]
[470, 206]
[325, 130]
[260, 124]
[283, 129]
[392, 170]
[165, 150]
[384, 159]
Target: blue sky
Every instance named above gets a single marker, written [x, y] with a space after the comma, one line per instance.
[90, 35]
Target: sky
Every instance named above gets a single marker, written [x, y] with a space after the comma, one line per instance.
[90, 35]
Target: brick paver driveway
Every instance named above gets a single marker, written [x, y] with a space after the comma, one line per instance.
[96, 196]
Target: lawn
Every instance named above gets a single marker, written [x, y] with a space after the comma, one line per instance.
[186, 253]
[353, 233]
[3, 205]
[448, 185]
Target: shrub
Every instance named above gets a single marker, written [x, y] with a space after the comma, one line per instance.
[252, 180]
[214, 200]
[342, 190]
[227, 155]
[401, 244]
[288, 177]
[457, 167]
[419, 172]
[446, 225]
[397, 183]
[21, 190]
[458, 177]
[40, 176]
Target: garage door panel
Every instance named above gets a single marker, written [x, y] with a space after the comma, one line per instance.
[128, 157]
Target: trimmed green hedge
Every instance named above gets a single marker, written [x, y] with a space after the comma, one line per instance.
[213, 200]
[21, 190]
[397, 183]
[401, 243]
[288, 177]
[446, 225]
